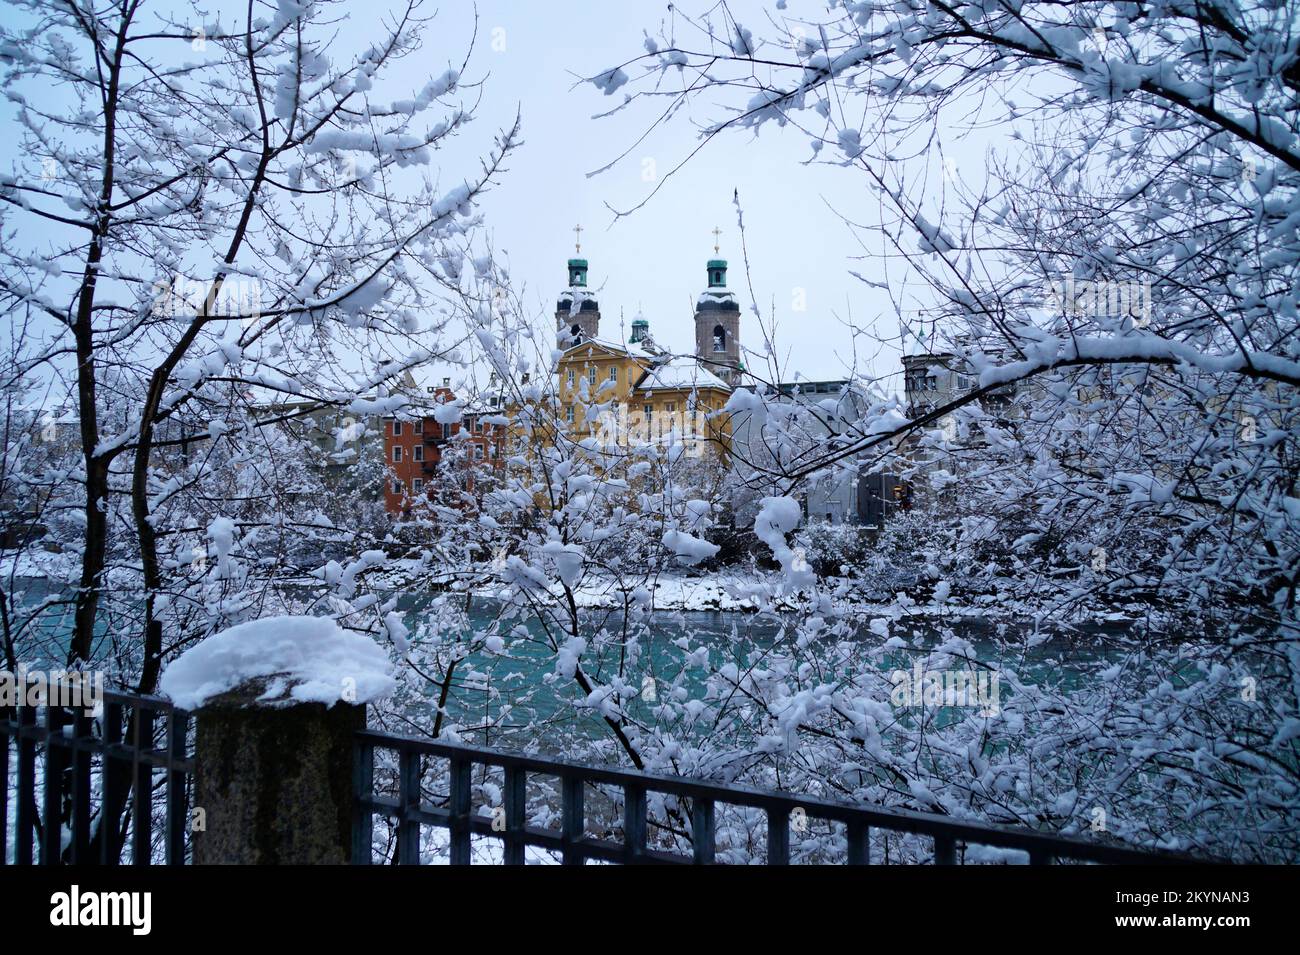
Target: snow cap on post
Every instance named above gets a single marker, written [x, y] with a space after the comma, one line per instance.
[279, 662]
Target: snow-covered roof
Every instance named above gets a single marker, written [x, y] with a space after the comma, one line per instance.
[48, 411]
[680, 373]
[577, 299]
[631, 349]
[717, 298]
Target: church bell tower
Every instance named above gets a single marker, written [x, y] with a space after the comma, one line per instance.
[577, 313]
[717, 325]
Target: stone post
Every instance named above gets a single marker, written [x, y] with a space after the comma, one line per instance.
[274, 783]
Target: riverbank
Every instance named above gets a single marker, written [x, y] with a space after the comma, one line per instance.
[732, 593]
[720, 592]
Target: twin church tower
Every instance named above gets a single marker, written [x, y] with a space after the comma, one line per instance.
[717, 320]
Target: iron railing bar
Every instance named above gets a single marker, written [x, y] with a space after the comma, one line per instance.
[390, 807]
[177, 727]
[5, 727]
[702, 831]
[26, 794]
[114, 780]
[515, 799]
[56, 760]
[81, 760]
[458, 809]
[778, 838]
[859, 839]
[146, 701]
[553, 841]
[408, 828]
[142, 724]
[151, 758]
[363, 817]
[33, 730]
[573, 818]
[945, 850]
[634, 823]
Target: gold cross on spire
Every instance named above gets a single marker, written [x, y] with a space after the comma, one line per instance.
[716, 232]
[577, 241]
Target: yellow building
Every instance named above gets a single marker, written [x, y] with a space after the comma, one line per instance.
[636, 392]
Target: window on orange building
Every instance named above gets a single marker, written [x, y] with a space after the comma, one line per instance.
[397, 431]
[418, 427]
[418, 452]
[397, 454]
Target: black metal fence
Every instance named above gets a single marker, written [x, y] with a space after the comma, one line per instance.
[81, 783]
[410, 811]
[77, 787]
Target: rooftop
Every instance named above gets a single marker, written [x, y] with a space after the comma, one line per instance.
[680, 373]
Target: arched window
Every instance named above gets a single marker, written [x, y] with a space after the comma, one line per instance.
[719, 338]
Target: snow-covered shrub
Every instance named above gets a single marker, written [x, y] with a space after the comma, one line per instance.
[835, 550]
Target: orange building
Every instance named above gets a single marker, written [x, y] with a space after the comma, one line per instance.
[425, 455]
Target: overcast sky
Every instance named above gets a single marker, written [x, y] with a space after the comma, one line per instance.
[532, 57]
[654, 260]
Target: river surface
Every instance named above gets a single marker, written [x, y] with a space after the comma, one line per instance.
[520, 690]
[1066, 658]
